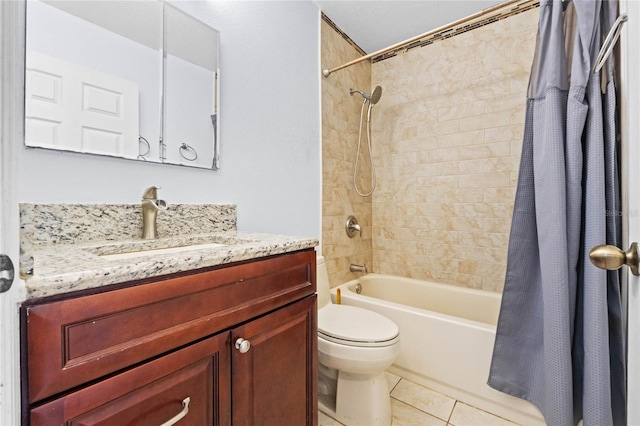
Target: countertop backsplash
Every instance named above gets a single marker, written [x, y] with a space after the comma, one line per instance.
[50, 224]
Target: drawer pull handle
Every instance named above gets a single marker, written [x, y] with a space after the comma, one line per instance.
[243, 345]
[175, 419]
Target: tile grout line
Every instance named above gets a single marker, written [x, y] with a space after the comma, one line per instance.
[455, 401]
[451, 413]
[394, 386]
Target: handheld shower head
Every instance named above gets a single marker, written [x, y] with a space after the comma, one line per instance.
[372, 97]
[375, 96]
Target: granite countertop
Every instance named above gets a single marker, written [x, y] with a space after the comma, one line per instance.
[62, 268]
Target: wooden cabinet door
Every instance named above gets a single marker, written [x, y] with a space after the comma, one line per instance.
[274, 381]
[153, 393]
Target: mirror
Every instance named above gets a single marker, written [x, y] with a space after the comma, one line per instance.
[130, 79]
[190, 90]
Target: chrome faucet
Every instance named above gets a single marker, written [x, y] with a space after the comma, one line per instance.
[357, 268]
[150, 207]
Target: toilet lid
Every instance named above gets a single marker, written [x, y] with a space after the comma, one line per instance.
[355, 326]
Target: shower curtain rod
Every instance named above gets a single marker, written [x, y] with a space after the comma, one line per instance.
[482, 13]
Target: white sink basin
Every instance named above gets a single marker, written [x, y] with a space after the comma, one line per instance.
[158, 251]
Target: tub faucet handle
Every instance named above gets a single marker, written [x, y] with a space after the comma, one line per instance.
[352, 227]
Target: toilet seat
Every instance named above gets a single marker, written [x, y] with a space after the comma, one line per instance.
[353, 326]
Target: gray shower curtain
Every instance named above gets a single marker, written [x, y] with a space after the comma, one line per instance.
[560, 341]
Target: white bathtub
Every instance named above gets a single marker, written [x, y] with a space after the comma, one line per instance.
[446, 338]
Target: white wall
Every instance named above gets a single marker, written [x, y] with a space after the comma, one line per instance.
[189, 96]
[269, 123]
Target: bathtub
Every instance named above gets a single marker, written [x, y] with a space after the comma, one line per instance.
[446, 338]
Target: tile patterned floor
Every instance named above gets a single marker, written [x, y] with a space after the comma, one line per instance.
[414, 405]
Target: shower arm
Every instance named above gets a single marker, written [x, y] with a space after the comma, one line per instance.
[372, 97]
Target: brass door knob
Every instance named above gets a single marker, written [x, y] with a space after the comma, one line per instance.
[611, 257]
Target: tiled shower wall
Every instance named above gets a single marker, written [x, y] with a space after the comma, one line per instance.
[340, 121]
[447, 136]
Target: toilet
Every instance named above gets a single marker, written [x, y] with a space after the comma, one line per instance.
[355, 347]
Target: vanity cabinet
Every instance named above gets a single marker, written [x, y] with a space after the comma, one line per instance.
[231, 345]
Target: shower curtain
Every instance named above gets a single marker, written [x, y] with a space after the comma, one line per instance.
[559, 340]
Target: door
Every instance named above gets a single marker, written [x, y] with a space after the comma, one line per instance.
[630, 120]
[75, 108]
[272, 374]
[11, 119]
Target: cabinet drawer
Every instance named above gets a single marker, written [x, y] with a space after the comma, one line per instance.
[74, 341]
[153, 393]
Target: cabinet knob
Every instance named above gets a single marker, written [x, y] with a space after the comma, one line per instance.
[243, 345]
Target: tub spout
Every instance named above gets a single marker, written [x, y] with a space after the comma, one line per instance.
[357, 268]
[150, 206]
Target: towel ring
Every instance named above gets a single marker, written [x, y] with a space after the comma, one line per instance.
[141, 139]
[186, 148]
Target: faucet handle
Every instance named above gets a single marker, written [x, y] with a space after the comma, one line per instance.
[352, 227]
[151, 193]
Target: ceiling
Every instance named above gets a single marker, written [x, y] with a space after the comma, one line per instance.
[376, 24]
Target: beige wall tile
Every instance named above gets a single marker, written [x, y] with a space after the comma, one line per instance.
[485, 121]
[486, 150]
[446, 138]
[341, 117]
[485, 180]
[462, 138]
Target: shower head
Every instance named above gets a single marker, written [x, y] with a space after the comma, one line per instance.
[373, 97]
